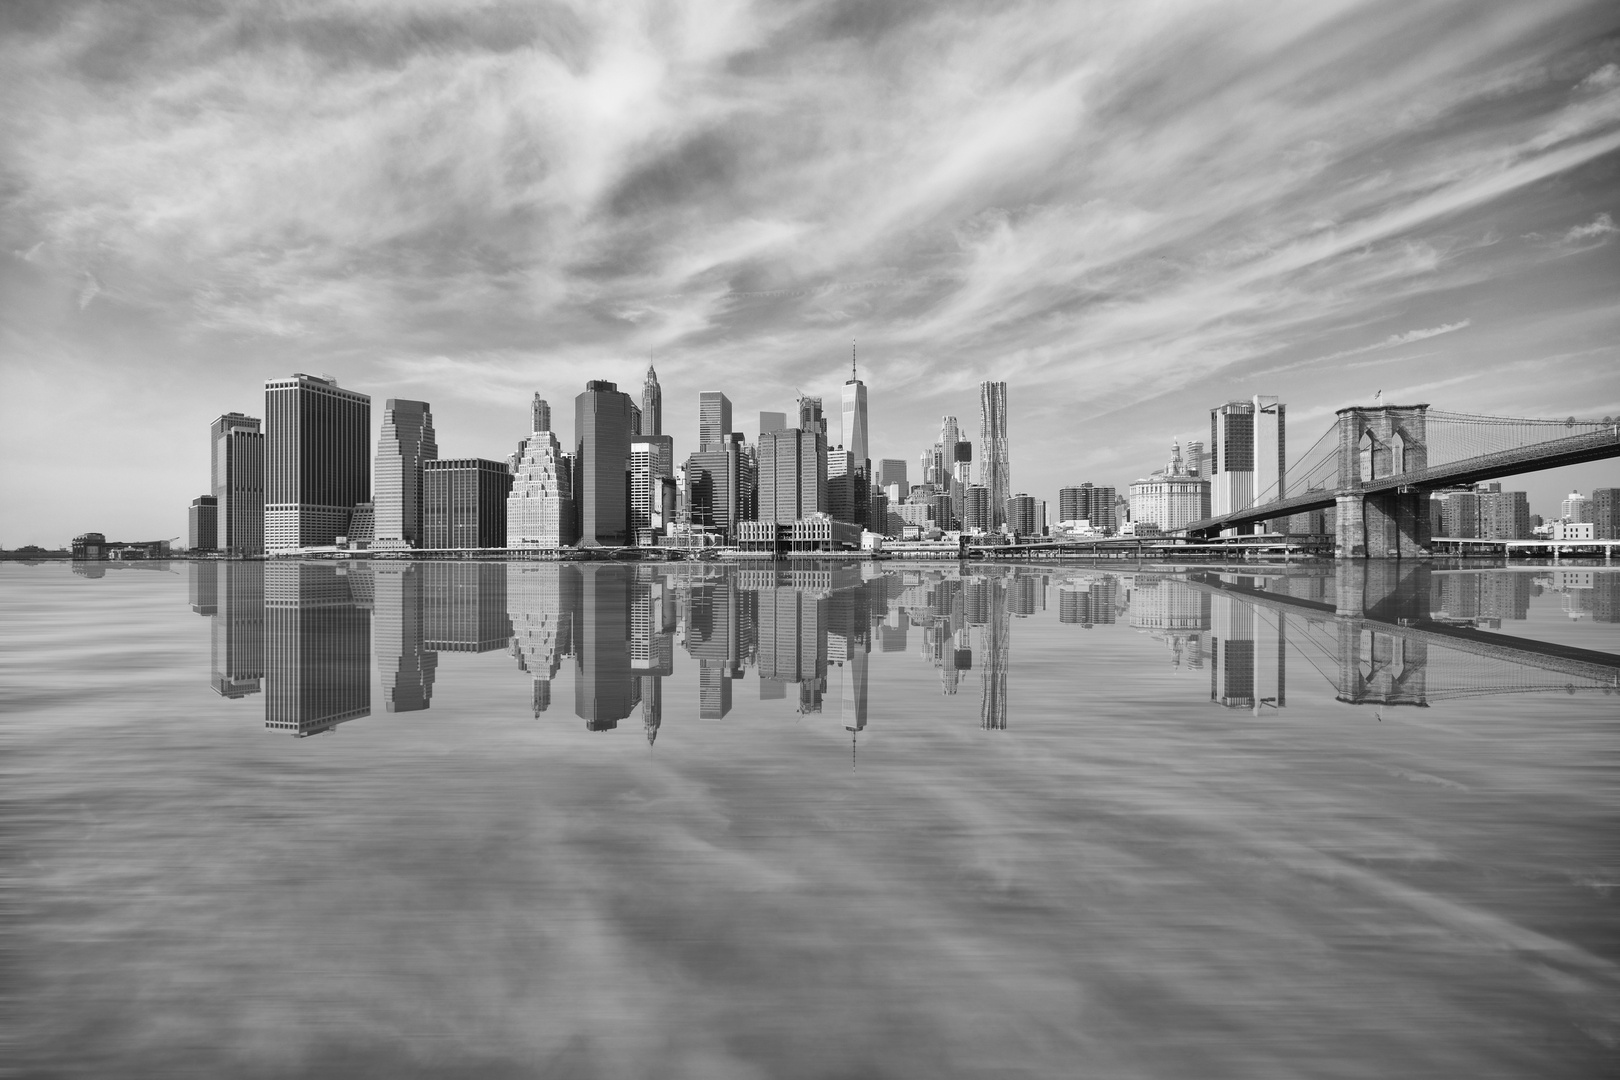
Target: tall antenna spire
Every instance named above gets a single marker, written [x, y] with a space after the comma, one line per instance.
[852, 376]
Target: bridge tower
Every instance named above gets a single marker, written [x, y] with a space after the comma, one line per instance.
[1378, 443]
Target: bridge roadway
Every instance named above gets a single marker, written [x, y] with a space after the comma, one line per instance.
[1600, 667]
[1593, 446]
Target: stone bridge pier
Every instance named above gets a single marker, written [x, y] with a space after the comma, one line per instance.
[1380, 443]
[1381, 667]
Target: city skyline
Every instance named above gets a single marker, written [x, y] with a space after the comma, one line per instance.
[1128, 218]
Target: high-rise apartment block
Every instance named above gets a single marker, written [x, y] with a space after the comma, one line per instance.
[714, 418]
[317, 460]
[1090, 502]
[236, 460]
[464, 503]
[601, 465]
[202, 521]
[406, 443]
[1605, 515]
[976, 516]
[1248, 448]
[1024, 515]
[995, 471]
[1576, 507]
[540, 507]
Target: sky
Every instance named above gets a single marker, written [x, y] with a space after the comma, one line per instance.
[1130, 212]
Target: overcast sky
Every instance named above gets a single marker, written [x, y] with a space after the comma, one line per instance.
[1130, 212]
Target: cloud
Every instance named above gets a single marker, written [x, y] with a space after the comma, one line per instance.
[89, 290]
[1601, 226]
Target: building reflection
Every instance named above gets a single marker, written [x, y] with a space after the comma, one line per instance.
[317, 635]
[404, 661]
[1374, 635]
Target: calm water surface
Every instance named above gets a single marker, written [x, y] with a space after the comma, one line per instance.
[558, 820]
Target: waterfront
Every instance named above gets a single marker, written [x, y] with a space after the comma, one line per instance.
[812, 820]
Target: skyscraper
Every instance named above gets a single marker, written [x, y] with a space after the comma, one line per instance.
[994, 469]
[792, 475]
[236, 452]
[652, 404]
[406, 442]
[854, 431]
[601, 466]
[317, 646]
[893, 471]
[540, 506]
[652, 461]
[316, 463]
[464, 503]
[1248, 444]
[714, 418]
[772, 421]
[540, 413]
[720, 485]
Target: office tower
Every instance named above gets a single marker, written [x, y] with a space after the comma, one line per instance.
[237, 631]
[464, 607]
[772, 421]
[1605, 513]
[539, 413]
[848, 495]
[1021, 515]
[407, 441]
[404, 663]
[994, 468]
[792, 475]
[976, 517]
[236, 452]
[877, 513]
[1248, 447]
[464, 503]
[1576, 507]
[854, 429]
[202, 585]
[600, 600]
[652, 404]
[893, 471]
[601, 464]
[202, 524]
[652, 461]
[540, 507]
[317, 651]
[714, 418]
[720, 486]
[810, 418]
[316, 464]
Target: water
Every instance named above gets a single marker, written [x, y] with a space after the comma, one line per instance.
[842, 821]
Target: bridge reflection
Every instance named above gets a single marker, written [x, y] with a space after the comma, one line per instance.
[301, 635]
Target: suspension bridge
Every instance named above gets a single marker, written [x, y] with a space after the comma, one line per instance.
[1375, 465]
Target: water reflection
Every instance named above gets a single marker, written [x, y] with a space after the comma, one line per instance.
[1376, 634]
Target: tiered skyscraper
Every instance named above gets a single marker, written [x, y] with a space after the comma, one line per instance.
[994, 470]
[407, 441]
[236, 452]
[317, 464]
[540, 506]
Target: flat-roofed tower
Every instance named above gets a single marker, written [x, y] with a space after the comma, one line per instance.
[236, 453]
[407, 441]
[317, 464]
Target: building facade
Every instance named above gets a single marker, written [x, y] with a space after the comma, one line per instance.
[652, 462]
[1248, 448]
[720, 486]
[464, 503]
[1170, 498]
[792, 475]
[601, 464]
[995, 470]
[1024, 515]
[317, 465]
[202, 523]
[1606, 513]
[407, 440]
[1088, 502]
[714, 418]
[976, 517]
[540, 506]
[236, 460]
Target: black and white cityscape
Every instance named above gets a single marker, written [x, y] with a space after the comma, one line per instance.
[810, 538]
